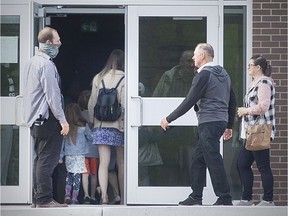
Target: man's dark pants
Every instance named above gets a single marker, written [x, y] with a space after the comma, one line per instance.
[207, 154]
[47, 154]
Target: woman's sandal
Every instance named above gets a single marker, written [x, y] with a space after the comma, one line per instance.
[104, 201]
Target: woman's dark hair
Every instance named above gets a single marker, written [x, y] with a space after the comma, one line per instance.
[262, 62]
[83, 99]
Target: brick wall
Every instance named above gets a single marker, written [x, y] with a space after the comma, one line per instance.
[270, 40]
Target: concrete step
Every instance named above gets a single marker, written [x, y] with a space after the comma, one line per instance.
[116, 210]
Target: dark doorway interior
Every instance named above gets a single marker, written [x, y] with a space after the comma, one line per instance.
[87, 40]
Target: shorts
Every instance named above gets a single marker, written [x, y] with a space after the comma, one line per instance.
[91, 165]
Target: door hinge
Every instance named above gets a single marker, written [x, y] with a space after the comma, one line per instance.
[41, 13]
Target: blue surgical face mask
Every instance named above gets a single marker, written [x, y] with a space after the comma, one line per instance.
[50, 49]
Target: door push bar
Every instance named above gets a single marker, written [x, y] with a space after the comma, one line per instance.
[141, 110]
[19, 118]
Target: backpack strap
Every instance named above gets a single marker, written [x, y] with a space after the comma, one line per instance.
[103, 84]
[115, 86]
[119, 82]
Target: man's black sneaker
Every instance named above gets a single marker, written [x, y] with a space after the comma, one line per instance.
[190, 201]
[220, 201]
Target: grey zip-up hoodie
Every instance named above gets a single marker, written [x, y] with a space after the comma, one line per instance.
[210, 93]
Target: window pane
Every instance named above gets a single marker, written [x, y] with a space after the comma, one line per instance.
[165, 158]
[9, 155]
[162, 42]
[234, 62]
[10, 33]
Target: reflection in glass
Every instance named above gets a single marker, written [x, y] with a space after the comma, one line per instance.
[10, 33]
[9, 155]
[176, 82]
[9, 79]
[165, 158]
[161, 59]
[234, 62]
[166, 69]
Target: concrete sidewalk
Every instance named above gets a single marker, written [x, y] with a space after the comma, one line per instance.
[116, 210]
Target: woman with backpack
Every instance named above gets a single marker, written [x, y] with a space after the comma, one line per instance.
[107, 131]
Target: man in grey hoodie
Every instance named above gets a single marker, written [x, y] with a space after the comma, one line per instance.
[213, 100]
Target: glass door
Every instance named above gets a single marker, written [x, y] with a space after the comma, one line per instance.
[15, 142]
[161, 41]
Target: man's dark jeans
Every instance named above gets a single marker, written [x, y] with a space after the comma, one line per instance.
[244, 163]
[47, 154]
[207, 154]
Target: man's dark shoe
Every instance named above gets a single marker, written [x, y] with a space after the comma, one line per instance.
[190, 201]
[52, 204]
[220, 201]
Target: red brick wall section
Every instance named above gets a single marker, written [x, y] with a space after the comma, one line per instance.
[270, 40]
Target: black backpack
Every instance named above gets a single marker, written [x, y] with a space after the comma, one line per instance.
[108, 107]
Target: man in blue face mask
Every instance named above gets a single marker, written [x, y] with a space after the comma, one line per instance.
[43, 113]
[51, 48]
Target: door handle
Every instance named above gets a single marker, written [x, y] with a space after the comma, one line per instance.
[19, 120]
[141, 110]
